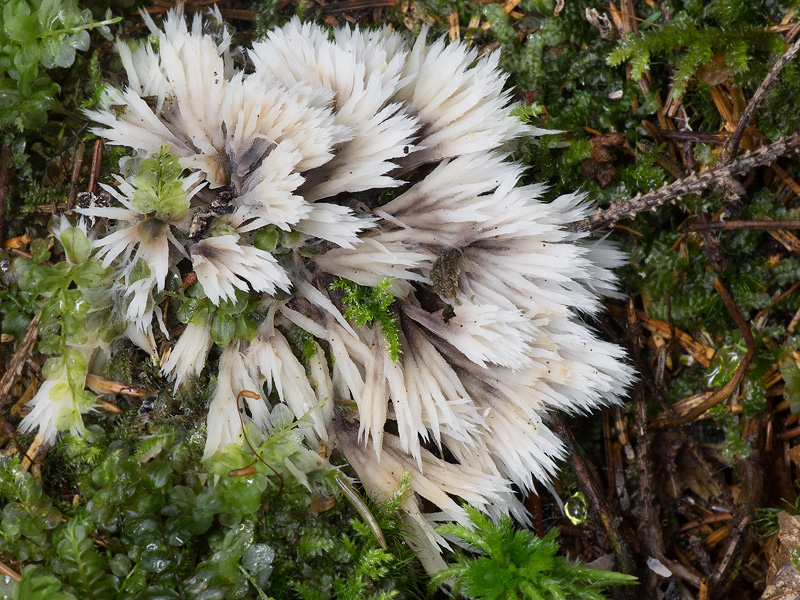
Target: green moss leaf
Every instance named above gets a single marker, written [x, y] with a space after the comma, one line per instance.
[76, 245]
[519, 564]
[223, 328]
[37, 584]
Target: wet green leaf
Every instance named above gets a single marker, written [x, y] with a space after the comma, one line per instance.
[223, 328]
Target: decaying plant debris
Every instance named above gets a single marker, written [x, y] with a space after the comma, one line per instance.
[688, 145]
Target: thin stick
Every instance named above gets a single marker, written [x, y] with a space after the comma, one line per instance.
[760, 224]
[5, 171]
[113, 387]
[355, 5]
[362, 509]
[108, 406]
[724, 392]
[9, 572]
[18, 361]
[77, 162]
[33, 450]
[610, 521]
[627, 208]
[750, 495]
[97, 156]
[726, 516]
[732, 144]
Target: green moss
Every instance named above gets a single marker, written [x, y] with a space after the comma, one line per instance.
[365, 305]
[512, 564]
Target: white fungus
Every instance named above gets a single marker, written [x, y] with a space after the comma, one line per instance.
[365, 157]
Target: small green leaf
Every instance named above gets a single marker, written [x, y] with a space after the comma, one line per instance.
[243, 496]
[76, 245]
[68, 419]
[36, 584]
[120, 565]
[223, 328]
[88, 275]
[15, 322]
[158, 474]
[39, 250]
[183, 498]
[246, 328]
[187, 309]
[267, 238]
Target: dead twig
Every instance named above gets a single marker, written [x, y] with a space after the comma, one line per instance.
[732, 144]
[18, 360]
[355, 5]
[5, 173]
[738, 376]
[94, 175]
[9, 572]
[695, 137]
[108, 406]
[610, 521]
[113, 387]
[630, 207]
[726, 225]
[699, 352]
[650, 533]
[33, 450]
[77, 162]
[707, 520]
[741, 538]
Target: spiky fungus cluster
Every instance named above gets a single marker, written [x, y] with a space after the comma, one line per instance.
[353, 192]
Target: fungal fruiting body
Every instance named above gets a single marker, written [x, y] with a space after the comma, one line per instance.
[357, 188]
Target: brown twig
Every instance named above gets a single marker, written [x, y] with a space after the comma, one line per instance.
[788, 434]
[18, 360]
[630, 207]
[724, 392]
[707, 520]
[726, 225]
[732, 144]
[741, 537]
[94, 175]
[113, 387]
[610, 521]
[699, 352]
[77, 162]
[650, 534]
[33, 450]
[5, 172]
[108, 406]
[9, 572]
[696, 137]
[355, 5]
[774, 302]
[18, 252]
[230, 14]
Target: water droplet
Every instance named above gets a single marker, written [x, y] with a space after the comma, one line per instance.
[575, 509]
[258, 562]
[154, 561]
